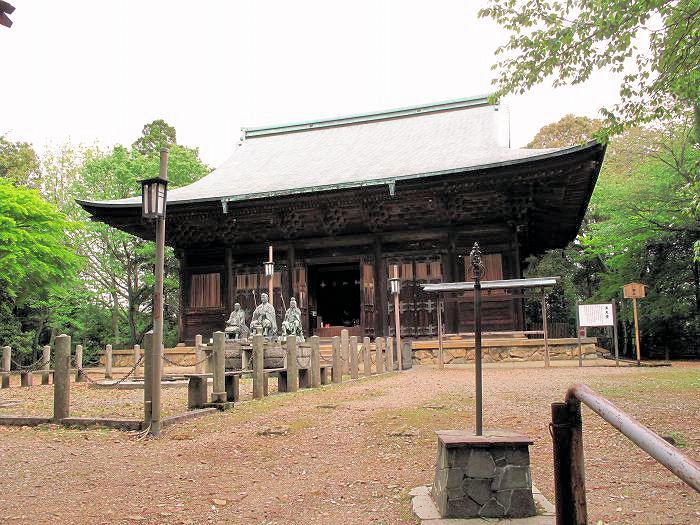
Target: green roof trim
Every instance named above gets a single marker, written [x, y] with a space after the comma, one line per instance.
[481, 100]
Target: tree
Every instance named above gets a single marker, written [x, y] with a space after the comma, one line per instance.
[570, 40]
[156, 135]
[569, 131]
[18, 162]
[34, 248]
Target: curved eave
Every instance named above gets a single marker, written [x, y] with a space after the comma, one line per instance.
[136, 203]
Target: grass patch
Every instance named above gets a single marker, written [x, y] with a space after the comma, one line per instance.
[658, 380]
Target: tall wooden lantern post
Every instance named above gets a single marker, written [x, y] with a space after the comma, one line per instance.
[395, 287]
[475, 256]
[635, 291]
[154, 194]
[270, 274]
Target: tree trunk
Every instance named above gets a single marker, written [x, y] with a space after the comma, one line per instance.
[115, 316]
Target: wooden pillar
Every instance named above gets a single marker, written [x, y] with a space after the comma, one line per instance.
[451, 321]
[353, 357]
[380, 282]
[147, 376]
[291, 285]
[229, 284]
[61, 378]
[315, 362]
[366, 359]
[259, 379]
[379, 355]
[182, 298]
[337, 361]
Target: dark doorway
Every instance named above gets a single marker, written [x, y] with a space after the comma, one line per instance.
[334, 295]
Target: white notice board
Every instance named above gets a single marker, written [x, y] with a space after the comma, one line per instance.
[595, 315]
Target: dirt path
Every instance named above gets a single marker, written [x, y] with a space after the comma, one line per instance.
[345, 453]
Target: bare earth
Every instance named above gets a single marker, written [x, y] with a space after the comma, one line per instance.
[346, 453]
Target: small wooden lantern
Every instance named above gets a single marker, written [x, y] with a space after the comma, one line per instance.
[154, 193]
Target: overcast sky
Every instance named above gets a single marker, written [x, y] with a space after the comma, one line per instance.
[96, 71]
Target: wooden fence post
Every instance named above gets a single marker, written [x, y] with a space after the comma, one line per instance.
[258, 364]
[389, 354]
[366, 358]
[379, 361]
[345, 351]
[315, 362]
[61, 378]
[353, 357]
[337, 361]
[6, 363]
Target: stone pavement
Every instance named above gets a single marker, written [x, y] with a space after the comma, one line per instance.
[425, 510]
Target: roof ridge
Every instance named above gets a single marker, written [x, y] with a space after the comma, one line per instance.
[409, 111]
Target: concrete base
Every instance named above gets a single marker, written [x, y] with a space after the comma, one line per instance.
[426, 511]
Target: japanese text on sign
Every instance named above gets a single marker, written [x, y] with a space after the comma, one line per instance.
[595, 315]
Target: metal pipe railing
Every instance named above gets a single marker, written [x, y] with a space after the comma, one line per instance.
[567, 436]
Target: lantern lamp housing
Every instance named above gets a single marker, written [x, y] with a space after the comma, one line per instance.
[154, 193]
[269, 269]
[395, 285]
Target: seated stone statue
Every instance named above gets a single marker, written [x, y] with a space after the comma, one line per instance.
[235, 326]
[292, 322]
[264, 319]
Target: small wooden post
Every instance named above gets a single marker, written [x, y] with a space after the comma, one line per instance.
[354, 373]
[147, 377]
[258, 364]
[108, 362]
[379, 356]
[389, 355]
[292, 364]
[79, 377]
[345, 351]
[6, 362]
[315, 362]
[441, 359]
[61, 378]
[337, 361]
[198, 355]
[46, 358]
[219, 391]
[137, 356]
[366, 358]
[569, 479]
[636, 331]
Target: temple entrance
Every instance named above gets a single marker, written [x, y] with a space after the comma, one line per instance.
[334, 299]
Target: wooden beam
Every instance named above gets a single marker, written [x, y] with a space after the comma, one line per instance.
[380, 282]
[230, 286]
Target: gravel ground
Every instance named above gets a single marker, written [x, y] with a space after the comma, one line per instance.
[345, 453]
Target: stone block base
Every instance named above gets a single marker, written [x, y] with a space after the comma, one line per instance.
[483, 476]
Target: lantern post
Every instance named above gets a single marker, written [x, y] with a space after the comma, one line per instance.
[475, 256]
[153, 199]
[270, 274]
[395, 287]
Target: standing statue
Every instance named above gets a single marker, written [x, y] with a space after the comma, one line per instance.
[292, 322]
[264, 318]
[235, 326]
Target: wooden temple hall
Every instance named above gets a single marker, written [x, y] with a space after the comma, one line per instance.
[342, 200]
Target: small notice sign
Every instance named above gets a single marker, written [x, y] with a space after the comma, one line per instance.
[595, 315]
[634, 291]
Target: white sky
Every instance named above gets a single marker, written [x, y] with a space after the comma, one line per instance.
[97, 71]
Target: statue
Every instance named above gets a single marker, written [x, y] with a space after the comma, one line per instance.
[292, 322]
[264, 318]
[235, 326]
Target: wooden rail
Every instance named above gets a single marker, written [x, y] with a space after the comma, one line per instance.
[567, 436]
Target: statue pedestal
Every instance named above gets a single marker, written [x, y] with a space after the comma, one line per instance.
[483, 476]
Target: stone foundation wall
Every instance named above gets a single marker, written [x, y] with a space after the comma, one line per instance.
[184, 356]
[531, 350]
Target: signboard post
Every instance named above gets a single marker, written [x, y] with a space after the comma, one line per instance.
[596, 315]
[635, 291]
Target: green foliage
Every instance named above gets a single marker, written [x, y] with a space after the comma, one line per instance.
[158, 134]
[18, 162]
[569, 131]
[34, 249]
[653, 42]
